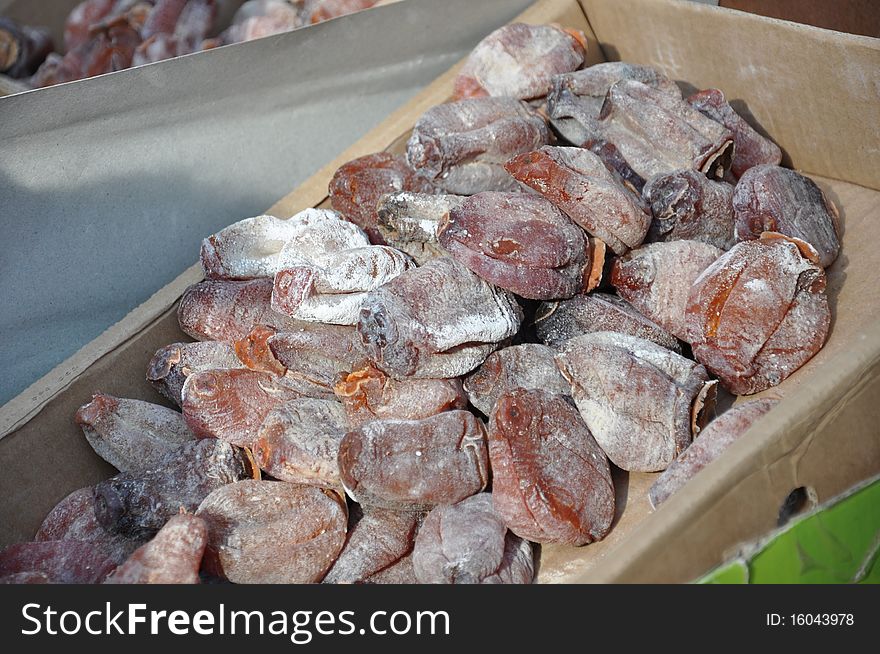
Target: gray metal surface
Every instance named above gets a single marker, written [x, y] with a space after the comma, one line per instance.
[107, 185]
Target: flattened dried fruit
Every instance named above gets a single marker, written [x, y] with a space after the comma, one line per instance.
[775, 199]
[656, 279]
[758, 314]
[299, 441]
[519, 61]
[557, 322]
[138, 504]
[415, 464]
[751, 149]
[410, 222]
[61, 561]
[529, 366]
[436, 321]
[317, 11]
[400, 572]
[332, 288]
[369, 394]
[467, 543]
[577, 181]
[172, 364]
[357, 186]
[658, 133]
[550, 480]
[316, 355]
[232, 404]
[689, 206]
[638, 399]
[379, 540]
[131, 435]
[461, 146]
[247, 249]
[518, 242]
[262, 532]
[713, 440]
[254, 352]
[172, 557]
[73, 518]
[575, 101]
[224, 310]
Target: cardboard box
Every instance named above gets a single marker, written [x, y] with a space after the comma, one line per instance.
[815, 92]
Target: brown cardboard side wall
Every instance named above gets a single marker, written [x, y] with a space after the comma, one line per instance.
[816, 92]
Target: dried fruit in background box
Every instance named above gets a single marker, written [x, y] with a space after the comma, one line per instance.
[575, 100]
[232, 404]
[467, 543]
[316, 355]
[163, 17]
[369, 394]
[316, 11]
[332, 288]
[379, 540]
[550, 480]
[22, 48]
[224, 310]
[689, 206]
[750, 148]
[519, 61]
[578, 182]
[357, 186]
[410, 222]
[529, 366]
[758, 314]
[256, 19]
[641, 402]
[81, 19]
[775, 199]
[139, 504]
[196, 21]
[299, 441]
[659, 133]
[656, 279]
[436, 321]
[461, 146]
[131, 435]
[716, 437]
[172, 557]
[415, 464]
[73, 518]
[264, 532]
[172, 364]
[557, 322]
[519, 242]
[61, 561]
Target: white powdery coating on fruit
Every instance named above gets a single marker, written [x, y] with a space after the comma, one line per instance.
[248, 248]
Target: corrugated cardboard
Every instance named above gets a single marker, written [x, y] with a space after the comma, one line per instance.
[824, 432]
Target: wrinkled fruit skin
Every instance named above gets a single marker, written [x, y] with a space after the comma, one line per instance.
[758, 314]
[461, 146]
[61, 561]
[637, 398]
[689, 206]
[436, 321]
[369, 394]
[140, 504]
[750, 148]
[410, 222]
[467, 543]
[299, 442]
[263, 532]
[413, 465]
[557, 322]
[656, 279]
[550, 480]
[357, 186]
[518, 242]
[717, 436]
[529, 366]
[172, 557]
[775, 199]
[131, 435]
[519, 61]
[579, 183]
[172, 364]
